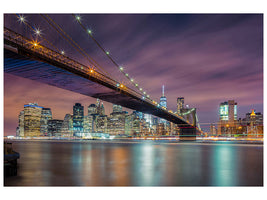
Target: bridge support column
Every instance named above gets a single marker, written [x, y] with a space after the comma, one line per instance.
[188, 133]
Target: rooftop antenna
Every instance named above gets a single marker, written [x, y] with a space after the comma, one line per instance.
[163, 90]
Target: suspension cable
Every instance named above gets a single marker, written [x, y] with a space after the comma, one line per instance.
[73, 43]
[110, 58]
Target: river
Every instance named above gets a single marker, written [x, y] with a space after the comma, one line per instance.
[137, 163]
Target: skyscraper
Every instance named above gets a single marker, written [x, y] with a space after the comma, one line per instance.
[21, 124]
[116, 121]
[67, 126]
[32, 118]
[78, 115]
[117, 108]
[102, 109]
[45, 116]
[228, 118]
[163, 99]
[92, 109]
[228, 111]
[180, 105]
[163, 103]
[101, 123]
[55, 127]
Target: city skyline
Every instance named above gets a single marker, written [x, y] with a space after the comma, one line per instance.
[207, 60]
[83, 120]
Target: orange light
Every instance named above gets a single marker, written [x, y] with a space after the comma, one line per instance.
[91, 71]
[121, 86]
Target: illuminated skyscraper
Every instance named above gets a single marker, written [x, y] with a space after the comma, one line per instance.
[117, 108]
[116, 121]
[67, 126]
[45, 116]
[228, 111]
[102, 110]
[163, 103]
[228, 118]
[78, 119]
[101, 123]
[32, 118]
[21, 124]
[55, 127]
[163, 99]
[92, 109]
[180, 105]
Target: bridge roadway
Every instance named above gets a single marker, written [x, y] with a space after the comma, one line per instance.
[24, 58]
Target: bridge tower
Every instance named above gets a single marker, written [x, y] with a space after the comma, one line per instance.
[188, 132]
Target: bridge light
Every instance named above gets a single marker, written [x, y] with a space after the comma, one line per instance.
[126, 74]
[35, 44]
[89, 31]
[91, 71]
[117, 84]
[121, 68]
[147, 96]
[62, 52]
[38, 32]
[107, 53]
[121, 86]
[140, 89]
[22, 18]
[144, 92]
[78, 18]
[132, 80]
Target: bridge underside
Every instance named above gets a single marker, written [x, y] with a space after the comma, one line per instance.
[23, 65]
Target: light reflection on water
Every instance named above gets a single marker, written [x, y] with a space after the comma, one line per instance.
[148, 163]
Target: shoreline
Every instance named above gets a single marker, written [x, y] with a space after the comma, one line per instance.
[139, 141]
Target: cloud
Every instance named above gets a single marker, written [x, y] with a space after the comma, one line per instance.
[207, 59]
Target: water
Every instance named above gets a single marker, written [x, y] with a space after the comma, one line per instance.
[137, 163]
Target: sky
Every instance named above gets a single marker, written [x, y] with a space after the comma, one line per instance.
[205, 58]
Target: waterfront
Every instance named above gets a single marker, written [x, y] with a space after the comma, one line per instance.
[137, 163]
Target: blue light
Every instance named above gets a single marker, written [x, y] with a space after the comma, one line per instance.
[33, 106]
[118, 85]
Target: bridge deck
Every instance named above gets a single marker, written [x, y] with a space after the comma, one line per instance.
[20, 60]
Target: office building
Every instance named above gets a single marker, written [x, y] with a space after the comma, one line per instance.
[21, 124]
[252, 124]
[32, 120]
[180, 105]
[116, 121]
[92, 109]
[45, 116]
[116, 108]
[78, 114]
[101, 124]
[228, 118]
[55, 127]
[67, 126]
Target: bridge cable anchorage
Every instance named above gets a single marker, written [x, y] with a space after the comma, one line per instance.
[32, 28]
[65, 36]
[108, 55]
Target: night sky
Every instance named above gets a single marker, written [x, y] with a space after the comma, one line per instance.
[206, 58]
